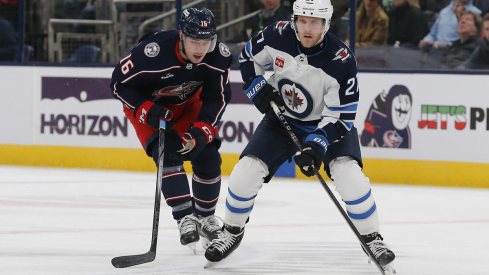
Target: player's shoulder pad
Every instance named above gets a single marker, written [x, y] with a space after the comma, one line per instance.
[223, 50]
[275, 35]
[221, 57]
[340, 52]
[340, 61]
[278, 29]
[153, 43]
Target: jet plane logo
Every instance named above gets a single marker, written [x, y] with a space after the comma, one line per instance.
[293, 98]
[342, 55]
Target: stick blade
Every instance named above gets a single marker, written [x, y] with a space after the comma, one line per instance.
[132, 260]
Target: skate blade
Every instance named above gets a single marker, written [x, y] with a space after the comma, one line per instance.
[205, 242]
[389, 269]
[192, 247]
[210, 264]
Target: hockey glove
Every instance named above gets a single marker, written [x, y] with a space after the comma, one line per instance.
[150, 113]
[261, 93]
[312, 151]
[194, 141]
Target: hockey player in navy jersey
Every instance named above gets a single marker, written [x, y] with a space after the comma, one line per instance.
[315, 82]
[181, 77]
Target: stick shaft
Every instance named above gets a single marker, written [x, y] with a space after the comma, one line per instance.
[325, 186]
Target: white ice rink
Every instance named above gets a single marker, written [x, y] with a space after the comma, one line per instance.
[73, 221]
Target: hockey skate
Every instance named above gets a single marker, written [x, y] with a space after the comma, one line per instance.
[381, 251]
[229, 239]
[188, 231]
[209, 229]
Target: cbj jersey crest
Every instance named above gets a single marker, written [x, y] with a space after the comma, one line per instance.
[181, 90]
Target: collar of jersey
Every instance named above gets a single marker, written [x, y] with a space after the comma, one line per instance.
[314, 54]
[178, 54]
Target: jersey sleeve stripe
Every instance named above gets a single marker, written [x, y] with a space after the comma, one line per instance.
[116, 93]
[221, 110]
[348, 108]
[210, 67]
[150, 72]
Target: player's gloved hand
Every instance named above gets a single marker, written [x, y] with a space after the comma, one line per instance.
[261, 93]
[312, 151]
[194, 141]
[150, 113]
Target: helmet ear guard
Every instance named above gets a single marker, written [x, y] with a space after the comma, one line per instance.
[313, 8]
[198, 23]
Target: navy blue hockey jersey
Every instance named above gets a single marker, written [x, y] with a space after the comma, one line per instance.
[320, 90]
[154, 71]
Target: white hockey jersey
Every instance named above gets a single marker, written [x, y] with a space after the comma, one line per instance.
[320, 90]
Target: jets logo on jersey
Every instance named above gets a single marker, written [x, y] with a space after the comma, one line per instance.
[298, 100]
[181, 90]
[152, 49]
[294, 100]
[281, 26]
[342, 54]
[279, 61]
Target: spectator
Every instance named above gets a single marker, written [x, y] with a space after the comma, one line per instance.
[469, 29]
[288, 4]
[444, 31]
[9, 10]
[372, 24]
[8, 41]
[389, 4]
[483, 5]
[479, 59]
[271, 13]
[79, 9]
[340, 7]
[433, 5]
[407, 25]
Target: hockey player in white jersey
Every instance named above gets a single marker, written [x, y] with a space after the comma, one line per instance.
[315, 83]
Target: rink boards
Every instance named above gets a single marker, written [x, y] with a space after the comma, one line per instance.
[435, 129]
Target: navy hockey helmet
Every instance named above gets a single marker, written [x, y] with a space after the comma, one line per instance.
[199, 23]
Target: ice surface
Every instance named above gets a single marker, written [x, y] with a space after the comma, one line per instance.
[74, 221]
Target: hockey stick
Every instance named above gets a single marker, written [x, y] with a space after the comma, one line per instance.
[126, 261]
[328, 190]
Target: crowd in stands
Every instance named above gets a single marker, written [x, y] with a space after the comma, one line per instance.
[457, 31]
[450, 30]
[271, 12]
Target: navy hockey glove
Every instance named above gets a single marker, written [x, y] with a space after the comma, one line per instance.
[150, 113]
[194, 141]
[312, 151]
[261, 93]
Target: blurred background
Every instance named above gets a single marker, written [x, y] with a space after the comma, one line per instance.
[388, 33]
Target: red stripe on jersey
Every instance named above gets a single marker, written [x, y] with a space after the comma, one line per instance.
[173, 174]
[150, 72]
[178, 54]
[177, 198]
[208, 202]
[122, 99]
[206, 181]
[210, 67]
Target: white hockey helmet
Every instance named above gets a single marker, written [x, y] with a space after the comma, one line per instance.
[313, 8]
